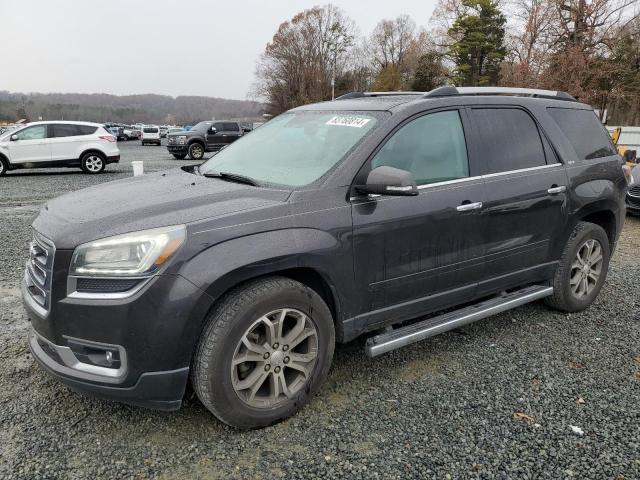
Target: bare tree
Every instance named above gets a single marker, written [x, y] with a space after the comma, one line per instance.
[305, 54]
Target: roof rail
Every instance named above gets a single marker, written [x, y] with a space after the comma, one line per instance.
[449, 91]
[347, 96]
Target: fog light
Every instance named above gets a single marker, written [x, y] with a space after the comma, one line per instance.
[95, 354]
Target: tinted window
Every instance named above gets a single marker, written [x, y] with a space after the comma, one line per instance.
[150, 130]
[64, 130]
[585, 132]
[218, 126]
[86, 129]
[431, 147]
[33, 133]
[230, 127]
[510, 139]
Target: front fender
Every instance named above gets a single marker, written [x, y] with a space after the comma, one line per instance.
[222, 266]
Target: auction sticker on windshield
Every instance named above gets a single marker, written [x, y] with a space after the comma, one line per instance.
[348, 121]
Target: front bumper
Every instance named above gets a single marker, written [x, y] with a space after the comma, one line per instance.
[157, 390]
[113, 159]
[152, 334]
[179, 149]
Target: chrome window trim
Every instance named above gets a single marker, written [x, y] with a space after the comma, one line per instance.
[522, 170]
[469, 179]
[449, 182]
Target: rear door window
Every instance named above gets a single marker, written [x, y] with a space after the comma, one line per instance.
[585, 132]
[59, 130]
[230, 127]
[509, 139]
[150, 130]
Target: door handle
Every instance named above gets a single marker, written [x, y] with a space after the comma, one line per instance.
[466, 207]
[556, 190]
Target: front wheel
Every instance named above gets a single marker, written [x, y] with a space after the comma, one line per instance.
[92, 163]
[264, 352]
[4, 166]
[582, 269]
[196, 151]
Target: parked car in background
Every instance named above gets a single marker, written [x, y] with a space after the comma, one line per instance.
[163, 131]
[117, 132]
[150, 135]
[174, 130]
[204, 137]
[358, 216]
[131, 133]
[89, 146]
[633, 195]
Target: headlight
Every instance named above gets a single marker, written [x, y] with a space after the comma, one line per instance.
[182, 139]
[132, 254]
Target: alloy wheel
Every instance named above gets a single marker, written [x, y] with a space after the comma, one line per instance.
[93, 163]
[586, 268]
[275, 358]
[196, 152]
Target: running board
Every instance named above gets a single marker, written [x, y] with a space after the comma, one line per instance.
[387, 341]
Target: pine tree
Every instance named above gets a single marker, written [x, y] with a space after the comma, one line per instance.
[478, 47]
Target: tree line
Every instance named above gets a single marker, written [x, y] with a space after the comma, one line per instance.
[100, 107]
[588, 48]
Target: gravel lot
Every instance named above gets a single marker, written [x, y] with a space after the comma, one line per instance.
[497, 399]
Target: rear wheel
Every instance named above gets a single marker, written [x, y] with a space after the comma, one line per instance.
[196, 151]
[179, 156]
[582, 269]
[4, 166]
[264, 352]
[92, 163]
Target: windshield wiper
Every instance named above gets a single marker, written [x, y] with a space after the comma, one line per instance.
[234, 177]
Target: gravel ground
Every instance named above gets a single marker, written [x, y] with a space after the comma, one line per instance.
[497, 399]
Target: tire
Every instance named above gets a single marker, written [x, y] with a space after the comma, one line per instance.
[179, 156]
[569, 294]
[92, 163]
[219, 386]
[196, 151]
[4, 166]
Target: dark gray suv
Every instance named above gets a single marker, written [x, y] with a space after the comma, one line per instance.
[398, 215]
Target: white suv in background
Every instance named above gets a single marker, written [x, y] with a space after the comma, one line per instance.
[150, 134]
[58, 144]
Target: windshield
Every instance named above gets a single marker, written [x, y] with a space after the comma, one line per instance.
[201, 126]
[294, 149]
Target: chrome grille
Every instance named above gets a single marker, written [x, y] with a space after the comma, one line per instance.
[635, 191]
[39, 268]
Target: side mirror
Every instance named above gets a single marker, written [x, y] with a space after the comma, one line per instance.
[389, 181]
[213, 130]
[14, 137]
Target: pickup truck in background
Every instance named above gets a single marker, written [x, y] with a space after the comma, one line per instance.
[203, 137]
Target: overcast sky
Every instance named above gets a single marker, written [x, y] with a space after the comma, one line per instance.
[171, 47]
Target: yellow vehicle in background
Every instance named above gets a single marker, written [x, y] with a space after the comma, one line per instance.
[630, 156]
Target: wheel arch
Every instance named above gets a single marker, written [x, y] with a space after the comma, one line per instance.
[230, 264]
[92, 150]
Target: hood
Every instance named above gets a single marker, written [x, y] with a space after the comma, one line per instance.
[188, 133]
[164, 198]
